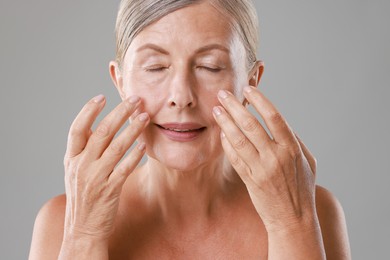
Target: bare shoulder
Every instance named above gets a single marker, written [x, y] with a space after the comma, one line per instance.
[333, 225]
[48, 229]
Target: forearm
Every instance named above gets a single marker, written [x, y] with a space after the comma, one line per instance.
[299, 242]
[83, 248]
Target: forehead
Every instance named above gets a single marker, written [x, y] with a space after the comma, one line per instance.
[192, 26]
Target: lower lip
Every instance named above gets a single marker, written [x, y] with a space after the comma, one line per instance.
[182, 136]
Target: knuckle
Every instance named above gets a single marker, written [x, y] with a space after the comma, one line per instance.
[125, 110]
[250, 124]
[121, 170]
[102, 130]
[121, 173]
[276, 117]
[116, 148]
[240, 142]
[76, 130]
[235, 161]
[295, 151]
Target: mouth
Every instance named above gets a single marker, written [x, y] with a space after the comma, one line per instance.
[181, 132]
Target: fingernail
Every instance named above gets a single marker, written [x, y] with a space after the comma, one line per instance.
[217, 111]
[248, 89]
[134, 99]
[222, 94]
[143, 117]
[141, 146]
[98, 98]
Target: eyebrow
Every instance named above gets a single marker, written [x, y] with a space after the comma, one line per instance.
[153, 47]
[200, 50]
[212, 47]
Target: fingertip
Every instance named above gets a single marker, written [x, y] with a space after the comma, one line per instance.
[223, 94]
[217, 110]
[133, 99]
[99, 98]
[141, 147]
[248, 89]
[143, 117]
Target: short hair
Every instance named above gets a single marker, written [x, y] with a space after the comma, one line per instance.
[135, 15]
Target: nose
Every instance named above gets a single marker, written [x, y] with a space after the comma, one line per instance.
[182, 91]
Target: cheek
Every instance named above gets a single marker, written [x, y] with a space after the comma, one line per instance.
[152, 95]
[208, 91]
[216, 81]
[207, 102]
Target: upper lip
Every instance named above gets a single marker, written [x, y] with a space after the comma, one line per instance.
[182, 126]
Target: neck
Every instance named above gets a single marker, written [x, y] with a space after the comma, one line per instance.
[189, 196]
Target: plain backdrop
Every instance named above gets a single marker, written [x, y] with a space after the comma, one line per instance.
[327, 70]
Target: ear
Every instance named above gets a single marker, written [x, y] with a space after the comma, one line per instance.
[117, 79]
[254, 77]
[256, 73]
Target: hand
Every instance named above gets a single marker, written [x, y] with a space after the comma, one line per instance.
[278, 171]
[93, 180]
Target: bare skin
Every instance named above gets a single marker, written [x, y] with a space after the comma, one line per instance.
[223, 190]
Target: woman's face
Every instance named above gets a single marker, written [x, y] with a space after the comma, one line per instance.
[177, 66]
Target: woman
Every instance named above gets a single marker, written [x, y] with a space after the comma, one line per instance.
[215, 184]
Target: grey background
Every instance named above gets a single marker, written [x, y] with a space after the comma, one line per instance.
[327, 70]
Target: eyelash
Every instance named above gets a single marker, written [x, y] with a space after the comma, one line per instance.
[213, 70]
[160, 69]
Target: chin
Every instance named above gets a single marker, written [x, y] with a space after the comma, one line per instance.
[185, 157]
[180, 159]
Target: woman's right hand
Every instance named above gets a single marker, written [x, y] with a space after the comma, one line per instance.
[93, 175]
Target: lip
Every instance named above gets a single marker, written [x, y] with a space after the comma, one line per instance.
[181, 132]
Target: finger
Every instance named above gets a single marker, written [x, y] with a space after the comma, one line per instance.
[127, 166]
[81, 127]
[119, 146]
[278, 126]
[309, 156]
[240, 143]
[237, 163]
[109, 126]
[249, 125]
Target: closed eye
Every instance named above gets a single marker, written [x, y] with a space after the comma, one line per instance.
[211, 69]
[155, 69]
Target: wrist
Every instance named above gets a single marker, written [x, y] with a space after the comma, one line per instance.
[305, 222]
[78, 246]
[85, 235]
[300, 240]
[296, 230]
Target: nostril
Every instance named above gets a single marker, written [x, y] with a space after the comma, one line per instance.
[173, 104]
[181, 101]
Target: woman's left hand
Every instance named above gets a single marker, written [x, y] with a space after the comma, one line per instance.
[278, 170]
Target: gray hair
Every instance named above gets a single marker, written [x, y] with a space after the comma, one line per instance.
[135, 15]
